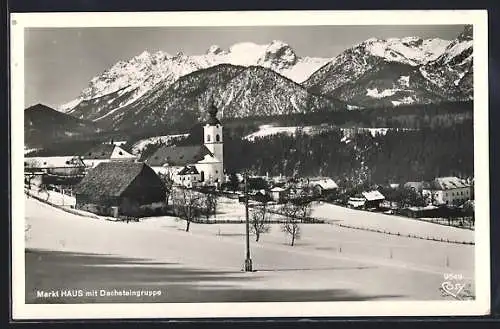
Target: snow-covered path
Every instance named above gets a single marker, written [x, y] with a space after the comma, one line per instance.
[363, 269]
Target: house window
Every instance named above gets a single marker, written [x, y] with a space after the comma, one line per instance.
[217, 138]
[208, 138]
[202, 176]
[216, 171]
[120, 153]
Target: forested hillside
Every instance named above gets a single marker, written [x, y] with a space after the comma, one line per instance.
[397, 156]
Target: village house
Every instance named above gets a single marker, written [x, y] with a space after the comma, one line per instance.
[278, 194]
[367, 200]
[90, 153]
[323, 186]
[448, 190]
[106, 152]
[188, 177]
[120, 188]
[56, 170]
[63, 165]
[373, 199]
[198, 165]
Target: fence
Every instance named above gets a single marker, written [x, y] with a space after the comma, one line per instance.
[242, 221]
[409, 235]
[66, 209]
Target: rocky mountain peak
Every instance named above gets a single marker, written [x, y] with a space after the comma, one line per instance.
[280, 53]
[466, 34]
[214, 50]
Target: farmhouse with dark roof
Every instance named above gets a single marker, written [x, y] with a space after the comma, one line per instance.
[113, 188]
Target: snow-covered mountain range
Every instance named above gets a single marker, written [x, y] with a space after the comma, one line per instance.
[249, 79]
[135, 77]
[238, 92]
[399, 71]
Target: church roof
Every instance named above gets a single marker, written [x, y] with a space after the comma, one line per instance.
[178, 155]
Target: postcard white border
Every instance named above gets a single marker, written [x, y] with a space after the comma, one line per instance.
[481, 306]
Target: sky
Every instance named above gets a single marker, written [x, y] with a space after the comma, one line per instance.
[60, 62]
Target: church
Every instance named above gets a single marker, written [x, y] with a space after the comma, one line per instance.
[196, 165]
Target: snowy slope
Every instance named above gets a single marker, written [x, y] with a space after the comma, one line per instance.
[396, 71]
[326, 256]
[411, 50]
[270, 130]
[139, 146]
[453, 70]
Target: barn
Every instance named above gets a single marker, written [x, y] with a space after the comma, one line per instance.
[120, 188]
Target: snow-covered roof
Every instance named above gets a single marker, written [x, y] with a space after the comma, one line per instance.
[54, 162]
[449, 183]
[373, 195]
[325, 183]
[277, 189]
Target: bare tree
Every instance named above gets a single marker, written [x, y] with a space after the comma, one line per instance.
[296, 211]
[211, 202]
[169, 183]
[187, 205]
[291, 225]
[259, 221]
[30, 167]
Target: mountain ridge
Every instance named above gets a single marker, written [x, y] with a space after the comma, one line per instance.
[233, 89]
[431, 77]
[43, 124]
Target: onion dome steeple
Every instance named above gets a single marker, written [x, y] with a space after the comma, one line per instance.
[212, 120]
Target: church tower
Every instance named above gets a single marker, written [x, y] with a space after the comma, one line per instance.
[212, 132]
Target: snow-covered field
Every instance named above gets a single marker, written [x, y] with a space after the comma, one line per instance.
[140, 145]
[231, 210]
[390, 223]
[326, 260]
[269, 130]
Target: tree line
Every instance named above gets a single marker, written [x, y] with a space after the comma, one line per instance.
[394, 157]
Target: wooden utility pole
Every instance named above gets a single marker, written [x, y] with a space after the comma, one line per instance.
[248, 260]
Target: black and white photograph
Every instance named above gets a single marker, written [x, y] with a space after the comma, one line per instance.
[211, 164]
